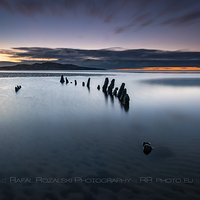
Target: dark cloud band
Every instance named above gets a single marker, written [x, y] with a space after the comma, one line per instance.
[61, 53]
[129, 13]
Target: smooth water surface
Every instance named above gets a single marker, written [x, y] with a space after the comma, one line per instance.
[65, 131]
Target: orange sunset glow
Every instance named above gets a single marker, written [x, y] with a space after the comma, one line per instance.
[6, 57]
[189, 68]
[10, 58]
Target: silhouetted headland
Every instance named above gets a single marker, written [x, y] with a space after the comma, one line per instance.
[47, 66]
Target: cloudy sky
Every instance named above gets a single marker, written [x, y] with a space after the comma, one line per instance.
[97, 24]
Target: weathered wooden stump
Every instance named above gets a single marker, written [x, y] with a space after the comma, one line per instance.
[105, 85]
[111, 86]
[98, 87]
[62, 79]
[122, 95]
[125, 102]
[83, 84]
[115, 91]
[126, 99]
[66, 80]
[121, 90]
[17, 88]
[88, 83]
[75, 82]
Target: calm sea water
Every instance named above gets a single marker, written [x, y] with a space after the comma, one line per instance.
[69, 132]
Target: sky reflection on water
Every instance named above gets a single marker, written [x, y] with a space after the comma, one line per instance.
[75, 131]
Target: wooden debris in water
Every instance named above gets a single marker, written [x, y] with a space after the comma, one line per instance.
[62, 79]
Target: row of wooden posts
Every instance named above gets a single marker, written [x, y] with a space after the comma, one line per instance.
[62, 80]
[112, 90]
[107, 88]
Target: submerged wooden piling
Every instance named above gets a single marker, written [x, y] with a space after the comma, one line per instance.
[111, 86]
[62, 79]
[115, 91]
[121, 90]
[125, 101]
[66, 80]
[122, 95]
[17, 88]
[88, 83]
[105, 85]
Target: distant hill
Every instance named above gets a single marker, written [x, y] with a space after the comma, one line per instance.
[46, 66]
[6, 63]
